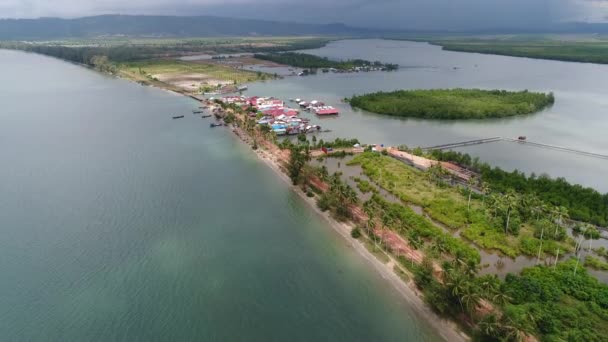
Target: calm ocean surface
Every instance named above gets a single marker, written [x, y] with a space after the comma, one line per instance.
[118, 223]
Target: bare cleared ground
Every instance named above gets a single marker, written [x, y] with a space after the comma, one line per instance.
[191, 82]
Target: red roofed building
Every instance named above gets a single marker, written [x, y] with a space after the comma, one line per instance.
[280, 111]
[329, 111]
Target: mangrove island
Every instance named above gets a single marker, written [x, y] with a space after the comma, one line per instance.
[453, 104]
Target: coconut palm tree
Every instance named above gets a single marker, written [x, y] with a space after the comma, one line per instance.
[459, 260]
[578, 259]
[470, 184]
[501, 298]
[509, 204]
[490, 326]
[434, 173]
[370, 209]
[470, 296]
[537, 207]
[485, 191]
[387, 221]
[493, 205]
[456, 283]
[559, 215]
[556, 257]
[540, 247]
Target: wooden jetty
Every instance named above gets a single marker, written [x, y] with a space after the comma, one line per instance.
[463, 143]
[558, 148]
[520, 140]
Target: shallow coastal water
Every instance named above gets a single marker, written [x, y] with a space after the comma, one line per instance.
[119, 223]
[578, 119]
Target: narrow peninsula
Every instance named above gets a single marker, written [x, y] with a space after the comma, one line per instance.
[453, 104]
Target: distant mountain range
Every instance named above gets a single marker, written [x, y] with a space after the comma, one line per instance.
[209, 26]
[161, 26]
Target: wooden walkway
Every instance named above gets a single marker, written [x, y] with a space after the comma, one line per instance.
[525, 142]
[463, 143]
[559, 148]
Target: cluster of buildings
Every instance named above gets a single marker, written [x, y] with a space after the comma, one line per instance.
[316, 107]
[273, 112]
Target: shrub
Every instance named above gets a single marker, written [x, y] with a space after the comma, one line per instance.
[323, 203]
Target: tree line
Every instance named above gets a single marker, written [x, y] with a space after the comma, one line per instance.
[303, 60]
[583, 203]
[136, 52]
[588, 52]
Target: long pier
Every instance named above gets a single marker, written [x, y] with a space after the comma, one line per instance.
[558, 148]
[519, 141]
[463, 143]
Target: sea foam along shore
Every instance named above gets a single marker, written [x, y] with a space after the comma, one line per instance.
[447, 329]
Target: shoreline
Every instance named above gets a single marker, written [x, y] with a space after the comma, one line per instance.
[444, 328]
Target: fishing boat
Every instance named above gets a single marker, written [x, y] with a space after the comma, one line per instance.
[216, 125]
[206, 116]
[178, 117]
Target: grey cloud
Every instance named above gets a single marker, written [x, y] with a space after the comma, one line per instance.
[411, 14]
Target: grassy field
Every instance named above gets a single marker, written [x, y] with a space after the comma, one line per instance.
[177, 68]
[448, 206]
[453, 103]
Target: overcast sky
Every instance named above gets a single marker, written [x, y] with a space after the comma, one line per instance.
[402, 14]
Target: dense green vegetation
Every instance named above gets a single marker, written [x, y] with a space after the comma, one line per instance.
[511, 223]
[561, 303]
[602, 251]
[420, 230]
[302, 60]
[584, 204]
[364, 186]
[118, 51]
[552, 303]
[300, 154]
[563, 50]
[595, 263]
[453, 103]
[337, 143]
[339, 197]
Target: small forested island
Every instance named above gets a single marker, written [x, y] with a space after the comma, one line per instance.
[453, 104]
[303, 60]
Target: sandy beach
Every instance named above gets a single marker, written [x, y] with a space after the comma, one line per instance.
[447, 329]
